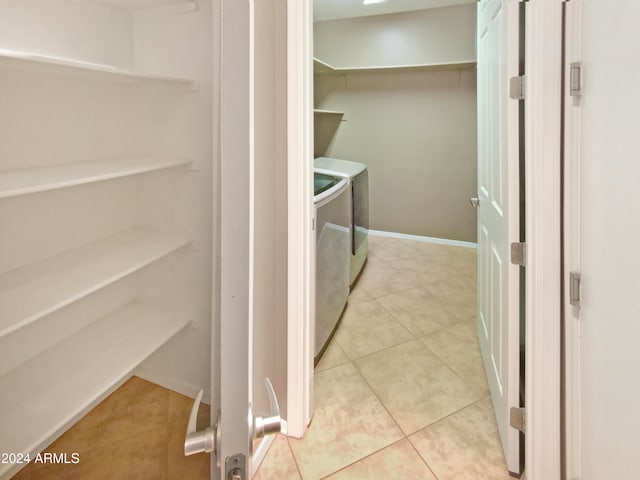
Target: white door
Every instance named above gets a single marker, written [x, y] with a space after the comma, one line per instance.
[232, 439]
[610, 228]
[498, 217]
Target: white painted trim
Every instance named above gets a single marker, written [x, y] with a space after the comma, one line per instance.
[542, 152]
[419, 238]
[177, 385]
[572, 204]
[301, 237]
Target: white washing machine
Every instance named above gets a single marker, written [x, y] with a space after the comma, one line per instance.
[358, 177]
[333, 250]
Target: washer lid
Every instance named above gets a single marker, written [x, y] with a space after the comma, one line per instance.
[322, 182]
[345, 167]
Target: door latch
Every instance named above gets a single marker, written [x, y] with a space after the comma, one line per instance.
[207, 440]
[272, 423]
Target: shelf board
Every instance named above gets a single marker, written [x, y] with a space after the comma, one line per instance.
[321, 67]
[327, 112]
[142, 4]
[45, 396]
[29, 293]
[33, 180]
[32, 62]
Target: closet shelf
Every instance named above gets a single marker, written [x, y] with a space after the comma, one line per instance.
[45, 396]
[29, 293]
[327, 112]
[144, 4]
[321, 67]
[26, 61]
[33, 180]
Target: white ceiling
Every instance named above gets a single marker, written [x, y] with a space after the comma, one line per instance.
[335, 9]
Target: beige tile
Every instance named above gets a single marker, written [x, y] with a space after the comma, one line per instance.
[400, 460]
[367, 328]
[464, 446]
[349, 423]
[458, 297]
[279, 462]
[457, 346]
[415, 386]
[383, 279]
[419, 311]
[358, 294]
[334, 355]
[426, 269]
[390, 249]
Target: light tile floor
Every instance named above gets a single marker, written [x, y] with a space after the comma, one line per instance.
[135, 433]
[401, 391]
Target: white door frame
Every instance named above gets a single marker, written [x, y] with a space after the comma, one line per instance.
[301, 236]
[572, 243]
[543, 283]
[543, 107]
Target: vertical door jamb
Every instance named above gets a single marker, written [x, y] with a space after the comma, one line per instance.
[543, 67]
[301, 238]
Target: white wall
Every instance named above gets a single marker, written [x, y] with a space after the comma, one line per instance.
[417, 134]
[610, 319]
[437, 35]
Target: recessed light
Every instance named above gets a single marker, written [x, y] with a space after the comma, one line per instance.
[372, 2]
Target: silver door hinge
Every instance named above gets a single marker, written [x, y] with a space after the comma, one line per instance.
[574, 289]
[575, 79]
[516, 88]
[517, 416]
[519, 253]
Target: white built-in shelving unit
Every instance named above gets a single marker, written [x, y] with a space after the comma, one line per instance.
[107, 157]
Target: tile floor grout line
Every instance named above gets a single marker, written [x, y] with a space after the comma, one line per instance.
[341, 469]
[406, 328]
[386, 409]
[466, 382]
[423, 459]
[293, 455]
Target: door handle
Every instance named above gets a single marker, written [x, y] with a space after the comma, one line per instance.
[271, 423]
[206, 440]
[474, 201]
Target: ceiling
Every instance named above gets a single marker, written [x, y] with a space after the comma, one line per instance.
[335, 9]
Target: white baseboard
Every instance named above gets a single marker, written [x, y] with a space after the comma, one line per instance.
[180, 386]
[441, 241]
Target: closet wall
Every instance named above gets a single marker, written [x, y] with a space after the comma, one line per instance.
[106, 205]
[414, 124]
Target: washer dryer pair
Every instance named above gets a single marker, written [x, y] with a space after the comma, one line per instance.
[358, 177]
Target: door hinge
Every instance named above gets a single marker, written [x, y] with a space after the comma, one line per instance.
[575, 79]
[517, 416]
[516, 88]
[574, 289]
[519, 253]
